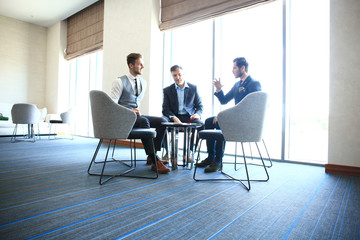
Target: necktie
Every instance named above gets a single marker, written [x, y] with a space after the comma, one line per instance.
[136, 88]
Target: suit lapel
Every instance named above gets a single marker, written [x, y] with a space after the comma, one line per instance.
[174, 93]
[186, 93]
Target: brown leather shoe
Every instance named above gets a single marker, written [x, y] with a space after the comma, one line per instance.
[149, 162]
[161, 167]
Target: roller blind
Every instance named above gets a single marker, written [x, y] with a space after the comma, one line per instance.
[85, 30]
[176, 13]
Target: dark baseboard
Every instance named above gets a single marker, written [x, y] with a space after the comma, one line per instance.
[342, 170]
[127, 143]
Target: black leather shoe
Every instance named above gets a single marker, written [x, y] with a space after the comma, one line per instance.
[203, 163]
[213, 167]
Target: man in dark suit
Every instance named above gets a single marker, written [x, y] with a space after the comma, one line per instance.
[182, 102]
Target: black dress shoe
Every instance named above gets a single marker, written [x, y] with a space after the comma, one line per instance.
[204, 163]
[213, 167]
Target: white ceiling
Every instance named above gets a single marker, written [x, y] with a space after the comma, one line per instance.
[42, 12]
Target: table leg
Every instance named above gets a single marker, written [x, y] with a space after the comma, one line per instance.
[188, 146]
[185, 147]
[168, 146]
[174, 148]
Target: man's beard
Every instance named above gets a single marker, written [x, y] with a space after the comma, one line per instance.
[137, 72]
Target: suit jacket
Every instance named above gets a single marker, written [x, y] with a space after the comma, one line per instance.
[239, 91]
[192, 101]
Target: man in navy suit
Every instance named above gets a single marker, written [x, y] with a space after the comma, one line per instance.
[182, 102]
[241, 88]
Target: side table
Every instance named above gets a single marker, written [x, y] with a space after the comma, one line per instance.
[172, 142]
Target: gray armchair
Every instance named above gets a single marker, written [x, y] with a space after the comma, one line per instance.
[242, 123]
[24, 113]
[111, 122]
[66, 118]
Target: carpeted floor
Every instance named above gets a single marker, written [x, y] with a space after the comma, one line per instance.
[46, 193]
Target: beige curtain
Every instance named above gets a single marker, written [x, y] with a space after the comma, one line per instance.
[85, 31]
[176, 13]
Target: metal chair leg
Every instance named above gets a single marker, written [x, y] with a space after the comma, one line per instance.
[13, 137]
[267, 152]
[132, 166]
[244, 182]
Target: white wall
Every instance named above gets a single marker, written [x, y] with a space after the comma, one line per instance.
[22, 62]
[344, 120]
[56, 69]
[132, 26]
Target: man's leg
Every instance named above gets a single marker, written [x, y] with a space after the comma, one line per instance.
[155, 122]
[215, 165]
[210, 144]
[143, 122]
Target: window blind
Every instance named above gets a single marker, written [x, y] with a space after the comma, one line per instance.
[176, 13]
[85, 30]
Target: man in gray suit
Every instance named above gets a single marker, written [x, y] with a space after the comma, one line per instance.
[182, 102]
[128, 90]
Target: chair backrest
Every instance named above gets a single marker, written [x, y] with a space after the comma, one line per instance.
[110, 120]
[24, 113]
[245, 121]
[66, 116]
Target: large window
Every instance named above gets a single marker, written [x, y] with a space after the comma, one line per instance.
[191, 48]
[206, 51]
[85, 75]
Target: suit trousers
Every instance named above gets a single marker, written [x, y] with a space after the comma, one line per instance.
[145, 121]
[215, 148]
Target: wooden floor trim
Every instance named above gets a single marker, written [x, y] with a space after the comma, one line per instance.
[127, 143]
[342, 170]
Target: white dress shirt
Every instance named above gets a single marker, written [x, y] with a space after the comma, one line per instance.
[117, 87]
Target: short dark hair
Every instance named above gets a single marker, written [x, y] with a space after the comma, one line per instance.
[132, 57]
[175, 67]
[241, 61]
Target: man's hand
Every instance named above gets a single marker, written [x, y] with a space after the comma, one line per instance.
[195, 116]
[217, 85]
[176, 120]
[137, 111]
[215, 120]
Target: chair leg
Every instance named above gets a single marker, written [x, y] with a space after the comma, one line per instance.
[251, 154]
[101, 181]
[50, 125]
[118, 160]
[197, 160]
[133, 159]
[262, 160]
[94, 156]
[72, 137]
[33, 133]
[103, 168]
[132, 167]
[13, 138]
[244, 182]
[267, 152]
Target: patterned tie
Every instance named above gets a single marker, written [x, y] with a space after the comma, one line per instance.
[136, 88]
